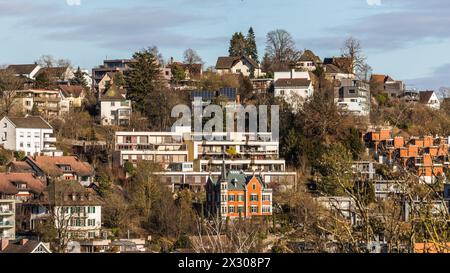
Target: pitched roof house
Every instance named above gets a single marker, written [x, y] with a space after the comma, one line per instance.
[64, 167]
[308, 61]
[23, 246]
[25, 70]
[20, 185]
[430, 99]
[238, 65]
[236, 195]
[75, 94]
[115, 109]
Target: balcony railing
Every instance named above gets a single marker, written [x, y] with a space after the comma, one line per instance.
[6, 224]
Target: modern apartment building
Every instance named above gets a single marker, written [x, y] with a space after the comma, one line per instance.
[7, 218]
[49, 103]
[189, 159]
[236, 195]
[353, 96]
[31, 134]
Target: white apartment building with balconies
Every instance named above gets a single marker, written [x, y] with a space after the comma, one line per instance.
[7, 219]
[31, 135]
[188, 158]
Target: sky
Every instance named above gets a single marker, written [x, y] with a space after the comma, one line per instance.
[406, 39]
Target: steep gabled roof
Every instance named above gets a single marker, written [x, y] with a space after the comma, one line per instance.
[7, 181]
[308, 55]
[59, 192]
[229, 62]
[22, 69]
[114, 93]
[74, 91]
[28, 247]
[345, 64]
[425, 96]
[50, 165]
[30, 122]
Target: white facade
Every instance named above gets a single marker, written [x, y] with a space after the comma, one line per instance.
[32, 141]
[7, 219]
[293, 74]
[83, 221]
[434, 102]
[115, 112]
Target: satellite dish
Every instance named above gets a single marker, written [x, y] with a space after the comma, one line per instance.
[73, 247]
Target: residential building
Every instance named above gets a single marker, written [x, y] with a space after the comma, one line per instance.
[387, 85]
[294, 91]
[236, 195]
[59, 74]
[23, 246]
[32, 135]
[353, 96]
[239, 65]
[20, 186]
[429, 99]
[308, 61]
[70, 205]
[342, 206]
[74, 94]
[28, 71]
[114, 107]
[68, 168]
[188, 159]
[428, 155]
[49, 103]
[118, 65]
[7, 218]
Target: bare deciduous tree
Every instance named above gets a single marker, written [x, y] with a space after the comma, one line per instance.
[280, 48]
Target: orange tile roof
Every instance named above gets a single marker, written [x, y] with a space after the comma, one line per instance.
[7, 181]
[49, 164]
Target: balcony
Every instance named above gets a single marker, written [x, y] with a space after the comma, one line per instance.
[49, 139]
[6, 212]
[6, 224]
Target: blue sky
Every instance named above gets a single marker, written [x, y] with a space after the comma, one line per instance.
[407, 39]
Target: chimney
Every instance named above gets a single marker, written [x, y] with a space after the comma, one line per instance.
[4, 244]
[23, 241]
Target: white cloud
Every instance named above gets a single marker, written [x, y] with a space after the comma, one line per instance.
[374, 2]
[73, 2]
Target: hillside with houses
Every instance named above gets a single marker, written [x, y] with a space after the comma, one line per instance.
[91, 162]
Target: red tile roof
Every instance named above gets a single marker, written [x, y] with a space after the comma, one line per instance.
[7, 181]
[49, 165]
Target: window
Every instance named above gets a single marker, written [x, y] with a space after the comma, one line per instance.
[36, 135]
[223, 198]
[29, 134]
[224, 210]
[351, 91]
[21, 134]
[240, 209]
[113, 103]
[240, 198]
[231, 209]
[223, 186]
[231, 198]
[37, 145]
[254, 187]
[21, 144]
[254, 209]
[28, 144]
[266, 197]
[266, 209]
[254, 197]
[91, 209]
[5, 125]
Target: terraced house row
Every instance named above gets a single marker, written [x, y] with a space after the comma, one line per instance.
[428, 156]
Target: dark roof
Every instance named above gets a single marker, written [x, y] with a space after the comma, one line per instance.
[32, 122]
[331, 68]
[17, 247]
[114, 93]
[57, 191]
[203, 94]
[344, 63]
[292, 82]
[425, 96]
[228, 62]
[71, 90]
[22, 69]
[228, 92]
[238, 180]
[308, 55]
[57, 72]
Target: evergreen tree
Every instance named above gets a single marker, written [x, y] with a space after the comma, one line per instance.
[237, 45]
[79, 78]
[143, 78]
[251, 49]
